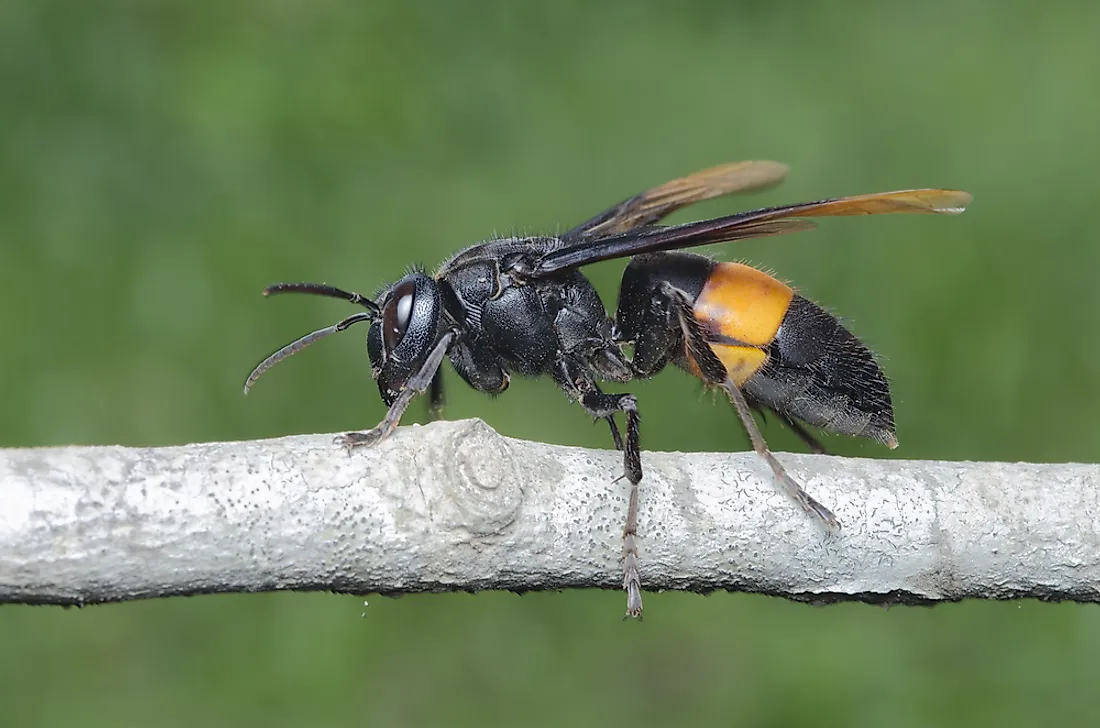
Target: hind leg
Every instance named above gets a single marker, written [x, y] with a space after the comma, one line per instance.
[714, 372]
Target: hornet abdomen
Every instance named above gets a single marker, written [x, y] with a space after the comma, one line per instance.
[784, 351]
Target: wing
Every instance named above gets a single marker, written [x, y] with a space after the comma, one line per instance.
[752, 224]
[650, 206]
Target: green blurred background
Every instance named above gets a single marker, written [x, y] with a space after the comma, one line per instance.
[160, 162]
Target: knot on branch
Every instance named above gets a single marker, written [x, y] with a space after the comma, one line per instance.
[481, 484]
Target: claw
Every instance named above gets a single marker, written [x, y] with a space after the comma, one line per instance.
[352, 440]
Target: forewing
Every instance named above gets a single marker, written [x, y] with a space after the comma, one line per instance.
[654, 204]
[751, 224]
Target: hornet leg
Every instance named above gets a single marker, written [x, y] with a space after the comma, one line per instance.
[417, 384]
[579, 386]
[436, 397]
[714, 372]
[805, 435]
[789, 485]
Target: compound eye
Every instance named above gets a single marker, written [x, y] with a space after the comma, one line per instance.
[397, 313]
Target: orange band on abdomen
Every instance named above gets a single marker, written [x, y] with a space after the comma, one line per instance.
[742, 303]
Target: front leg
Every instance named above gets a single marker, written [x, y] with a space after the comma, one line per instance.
[417, 384]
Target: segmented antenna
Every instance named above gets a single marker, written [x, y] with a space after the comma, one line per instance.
[295, 346]
[323, 289]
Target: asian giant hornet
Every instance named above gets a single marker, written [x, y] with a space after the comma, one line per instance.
[520, 305]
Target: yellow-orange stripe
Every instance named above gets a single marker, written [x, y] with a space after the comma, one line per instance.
[743, 304]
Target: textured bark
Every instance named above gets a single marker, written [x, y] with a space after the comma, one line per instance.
[456, 506]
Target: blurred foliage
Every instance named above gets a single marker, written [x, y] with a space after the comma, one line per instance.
[160, 162]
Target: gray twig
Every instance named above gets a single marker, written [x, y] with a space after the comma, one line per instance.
[456, 506]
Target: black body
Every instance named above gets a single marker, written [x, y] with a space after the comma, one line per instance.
[522, 306]
[502, 323]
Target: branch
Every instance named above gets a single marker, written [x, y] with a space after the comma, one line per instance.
[455, 506]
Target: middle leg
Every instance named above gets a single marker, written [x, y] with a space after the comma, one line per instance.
[436, 396]
[579, 385]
